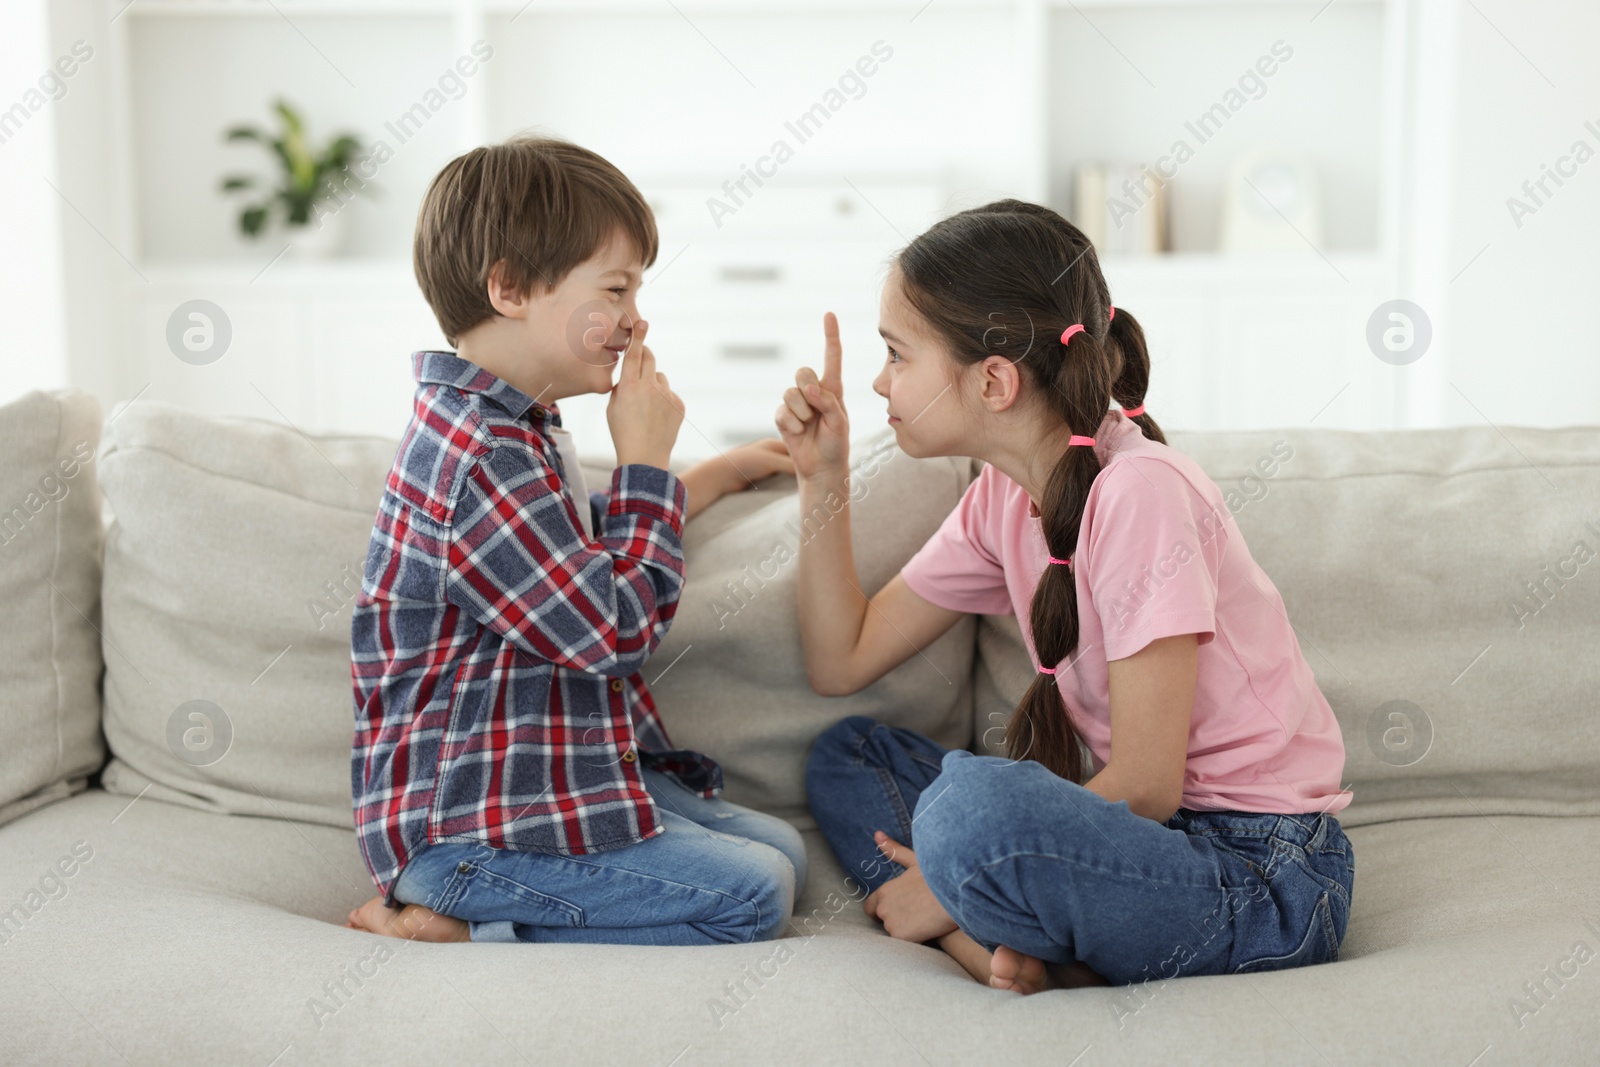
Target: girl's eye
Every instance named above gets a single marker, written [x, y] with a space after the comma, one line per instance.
[893, 355]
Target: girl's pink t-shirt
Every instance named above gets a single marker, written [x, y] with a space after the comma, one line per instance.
[1158, 554]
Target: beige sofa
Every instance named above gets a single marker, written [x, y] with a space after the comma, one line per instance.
[176, 855]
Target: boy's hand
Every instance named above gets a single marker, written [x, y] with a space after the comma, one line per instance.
[644, 413]
[734, 471]
[754, 462]
[812, 418]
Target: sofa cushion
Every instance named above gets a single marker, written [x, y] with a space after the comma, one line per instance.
[1445, 588]
[50, 534]
[141, 932]
[238, 547]
[236, 550]
[730, 675]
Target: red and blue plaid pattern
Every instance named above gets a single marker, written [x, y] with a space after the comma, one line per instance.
[496, 650]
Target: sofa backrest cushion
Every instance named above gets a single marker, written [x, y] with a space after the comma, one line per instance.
[235, 552]
[1445, 588]
[50, 585]
[238, 547]
[730, 676]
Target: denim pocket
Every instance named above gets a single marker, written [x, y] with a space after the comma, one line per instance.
[1319, 945]
[486, 894]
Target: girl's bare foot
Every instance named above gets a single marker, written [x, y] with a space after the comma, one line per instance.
[1013, 970]
[412, 922]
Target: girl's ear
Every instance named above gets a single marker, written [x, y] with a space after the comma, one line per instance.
[1000, 383]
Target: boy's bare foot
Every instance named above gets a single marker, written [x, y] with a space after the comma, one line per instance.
[412, 922]
[1021, 973]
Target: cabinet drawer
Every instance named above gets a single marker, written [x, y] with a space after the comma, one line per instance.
[696, 209]
[768, 277]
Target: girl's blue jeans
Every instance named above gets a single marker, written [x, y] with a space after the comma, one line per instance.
[1021, 857]
[718, 873]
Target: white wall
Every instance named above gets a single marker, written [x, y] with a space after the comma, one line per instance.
[33, 352]
[1524, 344]
[1493, 90]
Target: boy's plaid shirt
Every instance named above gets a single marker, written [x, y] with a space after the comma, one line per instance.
[495, 650]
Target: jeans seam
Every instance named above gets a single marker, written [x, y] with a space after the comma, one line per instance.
[1008, 857]
[682, 885]
[1321, 916]
[903, 827]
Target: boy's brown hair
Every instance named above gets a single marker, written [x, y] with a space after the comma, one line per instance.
[539, 204]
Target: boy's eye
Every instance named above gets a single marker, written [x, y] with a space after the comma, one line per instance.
[619, 291]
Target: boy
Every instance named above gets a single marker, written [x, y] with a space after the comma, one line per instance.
[511, 779]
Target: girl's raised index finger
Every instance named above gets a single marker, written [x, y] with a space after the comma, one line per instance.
[832, 352]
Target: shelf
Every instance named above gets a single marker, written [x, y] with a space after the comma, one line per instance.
[284, 8]
[1214, 267]
[317, 8]
[1208, 268]
[285, 271]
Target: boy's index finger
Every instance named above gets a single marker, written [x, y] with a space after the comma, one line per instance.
[636, 355]
[832, 353]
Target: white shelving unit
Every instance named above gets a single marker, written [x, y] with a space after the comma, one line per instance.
[737, 307]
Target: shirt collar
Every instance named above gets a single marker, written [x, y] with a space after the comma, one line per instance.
[447, 368]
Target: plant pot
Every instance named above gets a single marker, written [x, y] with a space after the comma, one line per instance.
[321, 239]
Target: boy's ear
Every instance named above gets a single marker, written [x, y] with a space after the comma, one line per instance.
[505, 298]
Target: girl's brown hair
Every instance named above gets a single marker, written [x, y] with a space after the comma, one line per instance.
[1006, 279]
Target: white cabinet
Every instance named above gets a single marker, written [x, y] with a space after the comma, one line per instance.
[981, 99]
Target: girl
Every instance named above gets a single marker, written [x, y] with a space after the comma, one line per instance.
[1200, 838]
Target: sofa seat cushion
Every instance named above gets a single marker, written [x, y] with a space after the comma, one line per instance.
[190, 937]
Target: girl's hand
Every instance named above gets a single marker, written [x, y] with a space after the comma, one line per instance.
[812, 418]
[905, 905]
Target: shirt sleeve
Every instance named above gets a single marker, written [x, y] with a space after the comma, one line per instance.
[957, 568]
[1152, 556]
[519, 563]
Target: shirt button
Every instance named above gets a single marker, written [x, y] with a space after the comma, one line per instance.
[616, 685]
[628, 756]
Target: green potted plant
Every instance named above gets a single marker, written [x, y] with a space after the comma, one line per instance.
[310, 193]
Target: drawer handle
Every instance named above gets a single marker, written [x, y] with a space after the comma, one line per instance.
[752, 351]
[751, 274]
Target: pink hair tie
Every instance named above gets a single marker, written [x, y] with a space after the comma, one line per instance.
[1079, 439]
[1054, 560]
[1046, 670]
[1066, 335]
[1131, 412]
[1113, 313]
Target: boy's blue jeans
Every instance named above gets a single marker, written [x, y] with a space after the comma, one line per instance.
[717, 873]
[1021, 857]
